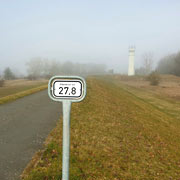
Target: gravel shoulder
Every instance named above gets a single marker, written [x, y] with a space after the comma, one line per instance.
[24, 125]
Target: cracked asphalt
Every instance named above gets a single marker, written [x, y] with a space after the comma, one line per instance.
[24, 125]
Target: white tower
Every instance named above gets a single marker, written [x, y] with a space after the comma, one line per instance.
[131, 61]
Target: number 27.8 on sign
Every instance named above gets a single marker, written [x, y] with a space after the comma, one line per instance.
[67, 88]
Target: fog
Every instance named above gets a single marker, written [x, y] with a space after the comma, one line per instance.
[87, 31]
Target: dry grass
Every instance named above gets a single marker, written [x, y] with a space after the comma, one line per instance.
[169, 85]
[115, 135]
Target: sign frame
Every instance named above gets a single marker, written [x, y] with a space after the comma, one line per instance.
[68, 78]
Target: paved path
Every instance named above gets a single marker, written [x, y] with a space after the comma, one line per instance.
[24, 125]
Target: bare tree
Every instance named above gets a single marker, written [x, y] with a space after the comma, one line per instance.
[148, 62]
[55, 68]
[35, 68]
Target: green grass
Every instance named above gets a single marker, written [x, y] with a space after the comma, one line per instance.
[115, 134]
[20, 92]
[19, 87]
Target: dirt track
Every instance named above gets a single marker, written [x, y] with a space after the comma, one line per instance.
[24, 125]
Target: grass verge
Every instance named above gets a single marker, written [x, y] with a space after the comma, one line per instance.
[114, 135]
[21, 94]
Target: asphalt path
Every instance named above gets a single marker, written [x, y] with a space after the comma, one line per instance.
[24, 125]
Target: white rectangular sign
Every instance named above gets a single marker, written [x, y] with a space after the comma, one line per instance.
[67, 88]
[71, 88]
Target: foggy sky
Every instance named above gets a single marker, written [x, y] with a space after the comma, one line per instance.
[98, 31]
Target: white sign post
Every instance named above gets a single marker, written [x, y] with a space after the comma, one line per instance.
[66, 89]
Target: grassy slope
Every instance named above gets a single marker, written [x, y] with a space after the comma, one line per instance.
[19, 87]
[21, 94]
[114, 135]
[160, 101]
[18, 90]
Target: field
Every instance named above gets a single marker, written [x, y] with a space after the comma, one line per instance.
[169, 85]
[119, 132]
[15, 86]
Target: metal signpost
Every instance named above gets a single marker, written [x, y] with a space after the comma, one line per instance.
[66, 89]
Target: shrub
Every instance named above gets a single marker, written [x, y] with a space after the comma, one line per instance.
[1, 82]
[154, 78]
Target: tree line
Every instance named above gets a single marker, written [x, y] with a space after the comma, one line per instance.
[170, 64]
[44, 68]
